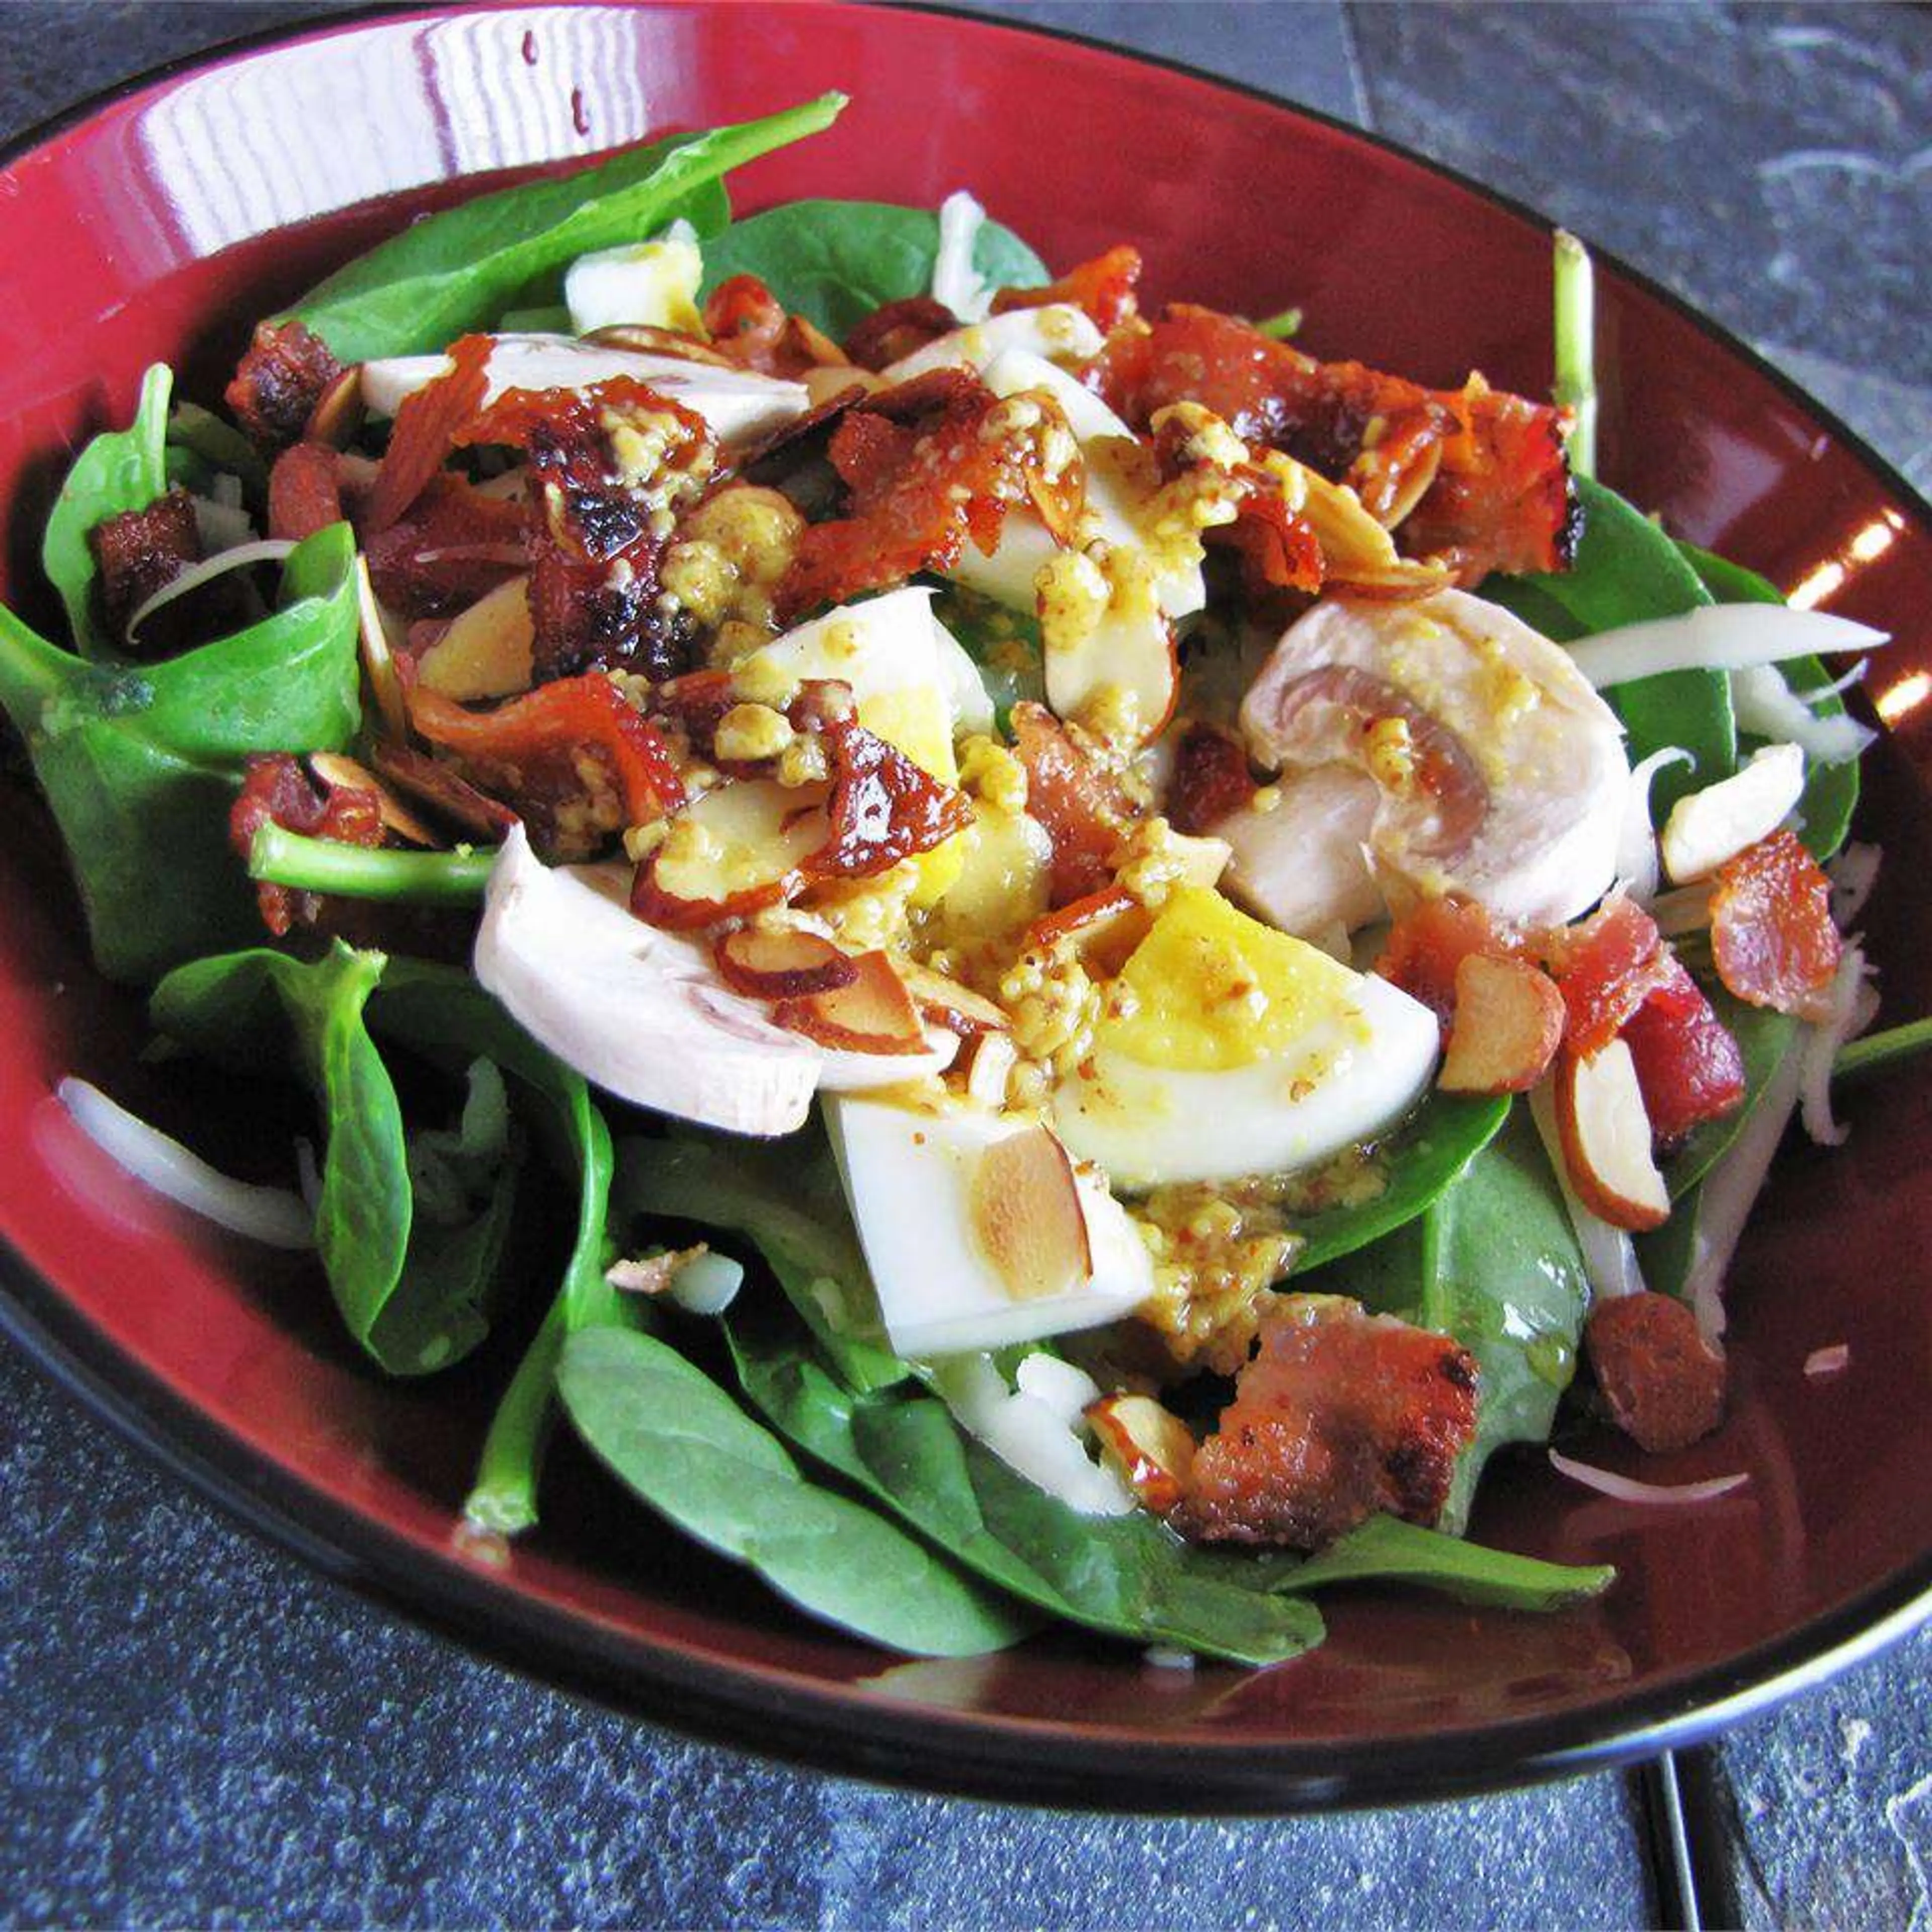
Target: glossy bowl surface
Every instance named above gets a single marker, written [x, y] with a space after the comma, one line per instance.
[159, 223]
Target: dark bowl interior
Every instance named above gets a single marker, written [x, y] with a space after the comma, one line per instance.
[160, 224]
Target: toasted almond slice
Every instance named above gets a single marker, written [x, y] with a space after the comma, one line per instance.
[731, 852]
[378, 661]
[1606, 1137]
[339, 773]
[790, 965]
[645, 338]
[1717, 823]
[1509, 1024]
[957, 1008]
[1148, 1446]
[338, 415]
[874, 1013]
[486, 652]
[1024, 1209]
[1104, 927]
[992, 1057]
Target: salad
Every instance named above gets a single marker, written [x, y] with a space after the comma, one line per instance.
[1053, 961]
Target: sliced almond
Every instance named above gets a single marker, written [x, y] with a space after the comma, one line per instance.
[1147, 1446]
[957, 1008]
[338, 415]
[1606, 1137]
[789, 965]
[1509, 1024]
[990, 1058]
[341, 773]
[1025, 1209]
[1104, 928]
[1717, 823]
[646, 339]
[379, 661]
[873, 1013]
[487, 650]
[732, 851]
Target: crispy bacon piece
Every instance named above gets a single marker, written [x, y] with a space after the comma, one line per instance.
[1772, 933]
[898, 329]
[428, 426]
[138, 553]
[1341, 1416]
[1211, 779]
[573, 759]
[275, 789]
[1664, 1382]
[1499, 498]
[929, 465]
[1607, 967]
[1278, 549]
[438, 789]
[883, 807]
[284, 374]
[304, 491]
[1076, 800]
[455, 545]
[1426, 946]
[748, 327]
[1689, 1068]
[1103, 287]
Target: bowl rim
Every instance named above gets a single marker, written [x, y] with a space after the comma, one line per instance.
[772, 1713]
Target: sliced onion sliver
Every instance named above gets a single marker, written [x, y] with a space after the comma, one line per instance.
[1628, 1489]
[1767, 707]
[1717, 637]
[264, 549]
[1637, 840]
[1853, 1005]
[1828, 1361]
[955, 282]
[1854, 872]
[275, 1216]
[1609, 1255]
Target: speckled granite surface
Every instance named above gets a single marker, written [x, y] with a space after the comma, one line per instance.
[197, 1729]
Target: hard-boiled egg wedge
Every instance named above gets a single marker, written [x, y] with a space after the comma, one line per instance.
[740, 405]
[654, 283]
[1058, 331]
[644, 1014]
[1225, 1048]
[978, 1229]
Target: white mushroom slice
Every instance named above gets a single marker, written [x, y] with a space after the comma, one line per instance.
[1302, 864]
[1059, 331]
[740, 405]
[1501, 774]
[1717, 823]
[644, 1014]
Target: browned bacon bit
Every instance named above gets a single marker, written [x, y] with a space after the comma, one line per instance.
[1426, 946]
[1772, 933]
[748, 327]
[1103, 287]
[427, 427]
[1499, 498]
[576, 763]
[455, 545]
[929, 466]
[883, 807]
[1278, 549]
[1211, 779]
[138, 553]
[1341, 1416]
[1078, 803]
[304, 491]
[276, 790]
[1663, 1380]
[897, 329]
[1689, 1067]
[284, 374]
[1607, 968]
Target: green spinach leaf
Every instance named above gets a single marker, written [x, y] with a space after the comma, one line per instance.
[141, 762]
[675, 1439]
[1386, 1550]
[834, 262]
[460, 270]
[121, 469]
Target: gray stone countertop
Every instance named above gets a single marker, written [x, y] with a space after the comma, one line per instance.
[198, 1730]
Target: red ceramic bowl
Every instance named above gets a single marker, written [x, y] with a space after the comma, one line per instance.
[160, 223]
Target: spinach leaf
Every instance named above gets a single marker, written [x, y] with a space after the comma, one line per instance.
[1385, 1549]
[834, 262]
[786, 1199]
[1442, 1138]
[141, 762]
[201, 445]
[121, 469]
[1627, 571]
[1126, 1575]
[1831, 791]
[460, 269]
[675, 1439]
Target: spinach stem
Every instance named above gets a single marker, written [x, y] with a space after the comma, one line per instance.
[503, 1497]
[1881, 1049]
[1282, 326]
[1577, 349]
[359, 872]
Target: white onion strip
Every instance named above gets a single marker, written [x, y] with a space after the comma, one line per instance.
[1628, 1489]
[1851, 1004]
[1609, 1255]
[1853, 873]
[955, 283]
[264, 549]
[1717, 637]
[1828, 1361]
[1637, 840]
[1767, 707]
[275, 1216]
